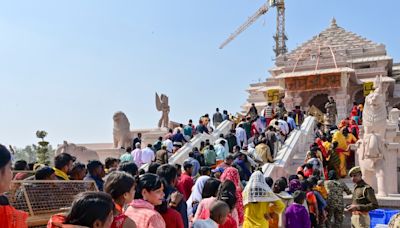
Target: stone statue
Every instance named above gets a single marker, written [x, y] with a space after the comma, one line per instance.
[372, 147]
[81, 153]
[162, 106]
[331, 112]
[121, 132]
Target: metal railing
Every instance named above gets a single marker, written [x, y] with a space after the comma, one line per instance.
[42, 199]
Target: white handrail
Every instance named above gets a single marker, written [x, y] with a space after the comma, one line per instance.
[297, 142]
[183, 153]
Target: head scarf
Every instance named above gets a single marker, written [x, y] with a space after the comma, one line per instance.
[354, 111]
[294, 185]
[196, 193]
[232, 174]
[257, 190]
[321, 147]
[353, 125]
[342, 124]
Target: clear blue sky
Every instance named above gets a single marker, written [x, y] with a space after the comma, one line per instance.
[67, 66]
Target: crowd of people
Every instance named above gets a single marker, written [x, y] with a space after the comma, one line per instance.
[258, 135]
[219, 185]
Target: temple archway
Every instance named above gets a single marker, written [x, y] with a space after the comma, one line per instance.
[319, 101]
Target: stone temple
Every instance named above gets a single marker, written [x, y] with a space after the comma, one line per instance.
[335, 63]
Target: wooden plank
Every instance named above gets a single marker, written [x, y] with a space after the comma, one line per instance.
[38, 220]
[28, 202]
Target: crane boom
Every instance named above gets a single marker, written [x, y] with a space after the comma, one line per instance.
[261, 11]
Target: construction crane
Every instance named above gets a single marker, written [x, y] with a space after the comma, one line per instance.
[280, 37]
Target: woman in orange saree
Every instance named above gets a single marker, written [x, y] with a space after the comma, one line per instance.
[9, 216]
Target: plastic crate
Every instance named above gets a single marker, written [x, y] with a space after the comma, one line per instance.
[377, 217]
[389, 213]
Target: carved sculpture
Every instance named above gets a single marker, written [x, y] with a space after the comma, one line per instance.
[121, 132]
[372, 147]
[81, 153]
[331, 112]
[162, 106]
[318, 114]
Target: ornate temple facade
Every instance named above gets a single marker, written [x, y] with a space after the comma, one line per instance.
[335, 63]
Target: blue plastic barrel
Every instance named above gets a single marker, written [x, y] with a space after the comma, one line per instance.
[389, 213]
[377, 217]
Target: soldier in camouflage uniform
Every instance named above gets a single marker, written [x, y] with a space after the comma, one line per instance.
[363, 200]
[335, 201]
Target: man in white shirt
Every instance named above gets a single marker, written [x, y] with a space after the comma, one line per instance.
[137, 155]
[221, 138]
[221, 151]
[169, 144]
[147, 155]
[241, 136]
[268, 112]
[283, 126]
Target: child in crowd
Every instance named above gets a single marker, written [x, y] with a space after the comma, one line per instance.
[208, 195]
[219, 211]
[121, 187]
[296, 214]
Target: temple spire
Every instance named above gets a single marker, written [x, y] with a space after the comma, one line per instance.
[333, 23]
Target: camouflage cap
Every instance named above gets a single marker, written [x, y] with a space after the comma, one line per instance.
[354, 170]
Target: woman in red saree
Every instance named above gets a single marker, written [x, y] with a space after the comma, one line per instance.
[324, 152]
[354, 129]
[9, 216]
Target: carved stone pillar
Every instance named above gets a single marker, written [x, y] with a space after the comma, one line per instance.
[391, 153]
[342, 103]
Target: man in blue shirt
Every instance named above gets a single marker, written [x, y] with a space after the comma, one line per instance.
[178, 137]
[290, 121]
[188, 130]
[95, 173]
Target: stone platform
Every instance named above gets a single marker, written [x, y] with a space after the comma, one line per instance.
[150, 135]
[105, 150]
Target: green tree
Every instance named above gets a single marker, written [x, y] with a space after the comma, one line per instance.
[28, 153]
[42, 150]
[42, 153]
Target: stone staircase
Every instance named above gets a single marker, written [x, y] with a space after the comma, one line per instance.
[182, 154]
[292, 153]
